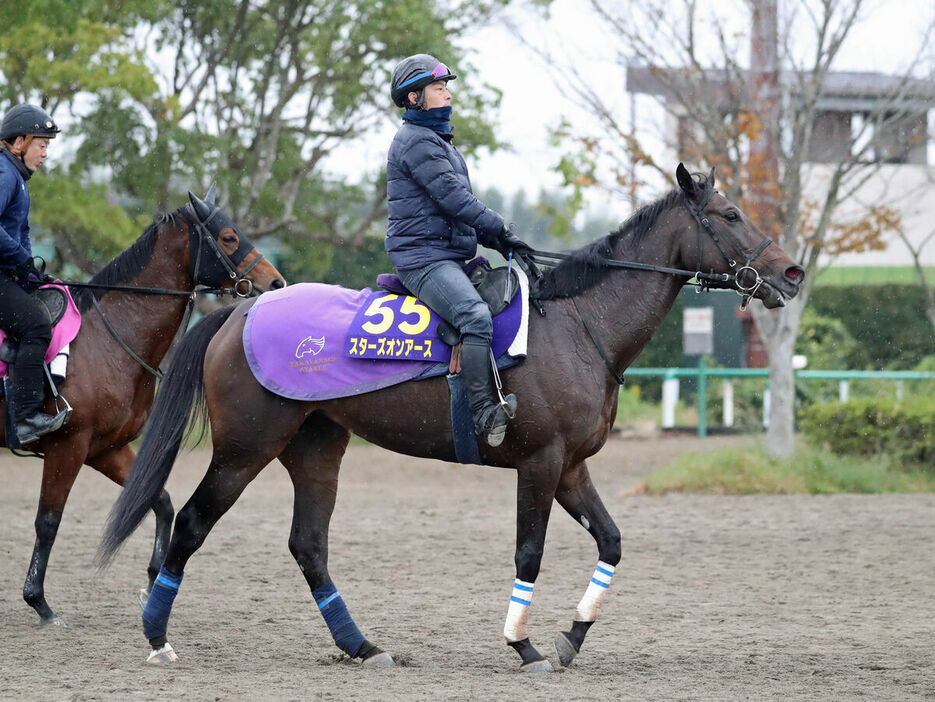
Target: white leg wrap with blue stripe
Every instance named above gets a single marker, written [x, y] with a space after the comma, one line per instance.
[515, 627]
[590, 605]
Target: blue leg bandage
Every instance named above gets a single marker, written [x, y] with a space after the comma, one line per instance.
[343, 629]
[159, 605]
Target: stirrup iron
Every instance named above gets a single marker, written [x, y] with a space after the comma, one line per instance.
[509, 411]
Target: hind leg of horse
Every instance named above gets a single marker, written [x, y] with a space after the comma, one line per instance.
[59, 470]
[116, 465]
[313, 459]
[536, 485]
[577, 495]
[234, 465]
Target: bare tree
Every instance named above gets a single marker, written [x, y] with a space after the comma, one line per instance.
[757, 123]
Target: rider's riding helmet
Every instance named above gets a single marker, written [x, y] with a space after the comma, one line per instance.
[27, 120]
[413, 74]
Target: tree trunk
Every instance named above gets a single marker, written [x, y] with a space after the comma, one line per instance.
[779, 329]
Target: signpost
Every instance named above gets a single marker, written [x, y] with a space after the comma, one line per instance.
[698, 340]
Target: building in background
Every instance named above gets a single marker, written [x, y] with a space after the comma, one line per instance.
[884, 117]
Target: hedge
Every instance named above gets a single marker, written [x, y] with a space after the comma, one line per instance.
[904, 430]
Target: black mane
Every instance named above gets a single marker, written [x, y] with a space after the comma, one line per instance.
[585, 267]
[126, 265]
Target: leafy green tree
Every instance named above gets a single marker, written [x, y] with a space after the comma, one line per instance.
[256, 94]
[56, 53]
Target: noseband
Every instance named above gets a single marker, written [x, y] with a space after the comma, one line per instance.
[718, 237]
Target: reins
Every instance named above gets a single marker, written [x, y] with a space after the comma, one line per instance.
[203, 235]
[703, 280]
[547, 258]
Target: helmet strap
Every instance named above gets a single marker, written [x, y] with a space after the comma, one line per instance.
[420, 103]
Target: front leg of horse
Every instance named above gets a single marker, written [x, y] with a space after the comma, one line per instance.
[536, 486]
[576, 493]
[47, 523]
[58, 477]
[116, 464]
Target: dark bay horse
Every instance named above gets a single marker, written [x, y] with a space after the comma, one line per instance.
[602, 304]
[110, 391]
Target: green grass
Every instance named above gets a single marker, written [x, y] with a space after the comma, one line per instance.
[749, 471]
[871, 275]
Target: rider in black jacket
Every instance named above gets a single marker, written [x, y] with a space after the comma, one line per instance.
[434, 225]
[24, 140]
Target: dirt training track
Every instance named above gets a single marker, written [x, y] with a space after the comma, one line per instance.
[716, 597]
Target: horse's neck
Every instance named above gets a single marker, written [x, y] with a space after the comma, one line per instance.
[627, 307]
[148, 322]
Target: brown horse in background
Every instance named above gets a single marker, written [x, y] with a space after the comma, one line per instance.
[602, 305]
[136, 310]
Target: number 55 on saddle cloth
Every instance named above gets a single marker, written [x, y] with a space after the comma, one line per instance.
[312, 341]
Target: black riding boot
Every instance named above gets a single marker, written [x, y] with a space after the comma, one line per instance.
[490, 416]
[29, 393]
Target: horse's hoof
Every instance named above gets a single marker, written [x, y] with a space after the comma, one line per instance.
[54, 621]
[162, 655]
[143, 597]
[542, 666]
[381, 660]
[565, 650]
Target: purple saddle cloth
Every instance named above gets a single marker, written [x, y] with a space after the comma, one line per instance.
[312, 341]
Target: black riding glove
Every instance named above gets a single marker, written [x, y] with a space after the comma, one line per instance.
[508, 241]
[28, 273]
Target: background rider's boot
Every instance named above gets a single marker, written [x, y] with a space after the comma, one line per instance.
[29, 393]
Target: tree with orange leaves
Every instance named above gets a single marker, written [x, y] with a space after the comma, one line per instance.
[756, 123]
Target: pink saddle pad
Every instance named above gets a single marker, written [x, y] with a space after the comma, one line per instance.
[63, 333]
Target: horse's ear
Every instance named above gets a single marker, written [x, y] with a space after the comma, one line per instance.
[202, 209]
[212, 192]
[685, 180]
[711, 178]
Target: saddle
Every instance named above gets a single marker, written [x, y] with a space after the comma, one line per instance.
[496, 287]
[54, 302]
[60, 308]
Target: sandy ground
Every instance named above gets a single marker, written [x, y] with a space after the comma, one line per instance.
[716, 597]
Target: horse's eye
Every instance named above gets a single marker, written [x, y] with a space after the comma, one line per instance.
[229, 239]
[731, 216]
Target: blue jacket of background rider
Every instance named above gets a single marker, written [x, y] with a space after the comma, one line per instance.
[15, 247]
[433, 214]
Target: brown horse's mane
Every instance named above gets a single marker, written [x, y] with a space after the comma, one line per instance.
[126, 265]
[586, 267]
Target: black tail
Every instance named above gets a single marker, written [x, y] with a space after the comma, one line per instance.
[179, 400]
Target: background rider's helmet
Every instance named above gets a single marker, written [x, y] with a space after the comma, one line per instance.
[27, 120]
[413, 74]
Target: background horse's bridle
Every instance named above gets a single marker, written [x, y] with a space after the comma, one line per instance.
[221, 267]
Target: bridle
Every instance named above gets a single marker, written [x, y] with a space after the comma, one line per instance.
[718, 237]
[205, 270]
[703, 280]
[215, 271]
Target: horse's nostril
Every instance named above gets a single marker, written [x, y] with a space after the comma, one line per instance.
[795, 274]
[277, 284]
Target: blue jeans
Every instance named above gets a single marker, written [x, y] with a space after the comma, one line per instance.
[448, 292]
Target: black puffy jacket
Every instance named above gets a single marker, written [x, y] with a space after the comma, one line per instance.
[433, 214]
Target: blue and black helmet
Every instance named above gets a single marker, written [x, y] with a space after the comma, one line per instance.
[27, 120]
[413, 74]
